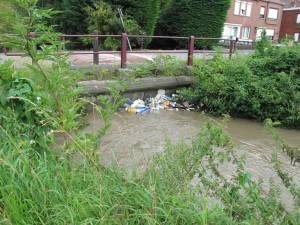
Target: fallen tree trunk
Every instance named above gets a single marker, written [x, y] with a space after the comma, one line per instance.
[94, 87]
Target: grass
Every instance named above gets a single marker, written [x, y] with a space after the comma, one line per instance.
[160, 66]
[52, 188]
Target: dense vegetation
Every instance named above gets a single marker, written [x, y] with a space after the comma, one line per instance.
[6, 17]
[73, 13]
[199, 18]
[148, 17]
[42, 182]
[260, 86]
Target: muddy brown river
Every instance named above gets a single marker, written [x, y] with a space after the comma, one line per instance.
[134, 139]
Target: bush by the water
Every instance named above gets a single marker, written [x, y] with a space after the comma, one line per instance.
[260, 86]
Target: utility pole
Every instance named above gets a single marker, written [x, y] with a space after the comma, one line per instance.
[122, 21]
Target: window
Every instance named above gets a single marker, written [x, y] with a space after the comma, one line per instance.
[242, 8]
[298, 18]
[246, 33]
[269, 32]
[273, 14]
[262, 12]
[231, 31]
[258, 33]
[296, 37]
[234, 31]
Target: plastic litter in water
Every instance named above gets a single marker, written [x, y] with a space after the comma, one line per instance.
[160, 102]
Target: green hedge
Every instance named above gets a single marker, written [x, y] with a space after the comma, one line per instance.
[146, 13]
[194, 17]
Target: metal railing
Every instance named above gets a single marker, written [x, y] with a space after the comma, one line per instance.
[191, 46]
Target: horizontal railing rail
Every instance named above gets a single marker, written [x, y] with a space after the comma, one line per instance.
[124, 38]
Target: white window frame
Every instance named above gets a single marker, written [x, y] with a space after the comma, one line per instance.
[248, 33]
[269, 32]
[296, 37]
[229, 27]
[262, 12]
[242, 8]
[298, 18]
[272, 12]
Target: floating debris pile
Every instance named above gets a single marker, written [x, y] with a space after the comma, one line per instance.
[160, 102]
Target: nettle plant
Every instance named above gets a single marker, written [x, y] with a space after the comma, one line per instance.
[42, 98]
[48, 76]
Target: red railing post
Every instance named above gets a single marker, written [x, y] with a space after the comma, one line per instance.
[96, 50]
[123, 50]
[191, 50]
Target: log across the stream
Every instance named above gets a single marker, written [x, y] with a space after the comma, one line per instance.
[96, 87]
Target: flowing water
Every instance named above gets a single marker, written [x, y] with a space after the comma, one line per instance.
[134, 139]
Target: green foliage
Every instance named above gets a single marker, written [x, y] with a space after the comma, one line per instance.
[276, 60]
[146, 13]
[263, 44]
[200, 18]
[147, 17]
[162, 66]
[103, 19]
[48, 83]
[73, 16]
[256, 87]
[7, 17]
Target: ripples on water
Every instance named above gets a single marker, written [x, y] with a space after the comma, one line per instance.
[134, 139]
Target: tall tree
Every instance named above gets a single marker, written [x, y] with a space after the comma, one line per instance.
[72, 17]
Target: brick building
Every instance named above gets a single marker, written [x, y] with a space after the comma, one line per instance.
[246, 19]
[291, 3]
[290, 25]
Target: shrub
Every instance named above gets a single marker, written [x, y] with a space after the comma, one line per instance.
[257, 87]
[277, 59]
